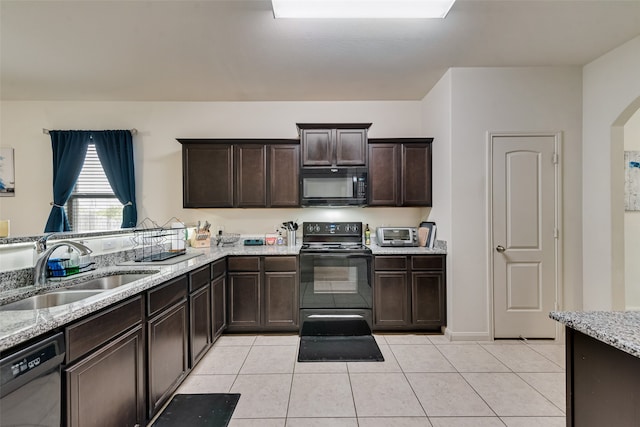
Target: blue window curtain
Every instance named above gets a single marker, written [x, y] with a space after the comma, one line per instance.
[115, 151]
[69, 150]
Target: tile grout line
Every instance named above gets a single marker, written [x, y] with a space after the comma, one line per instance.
[404, 374]
[469, 384]
[564, 411]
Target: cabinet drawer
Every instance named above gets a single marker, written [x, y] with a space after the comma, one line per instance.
[167, 294]
[427, 262]
[218, 268]
[199, 278]
[280, 263]
[88, 334]
[390, 263]
[244, 263]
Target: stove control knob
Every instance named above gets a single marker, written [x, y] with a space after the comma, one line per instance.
[347, 228]
[317, 228]
[354, 228]
[310, 228]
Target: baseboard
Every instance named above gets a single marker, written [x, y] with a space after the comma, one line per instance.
[466, 336]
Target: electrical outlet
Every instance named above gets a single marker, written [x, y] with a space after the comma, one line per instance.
[108, 244]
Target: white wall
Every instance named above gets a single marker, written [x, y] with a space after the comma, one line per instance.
[611, 94]
[436, 121]
[486, 100]
[632, 226]
[158, 154]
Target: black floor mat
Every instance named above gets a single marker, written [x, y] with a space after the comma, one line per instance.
[359, 348]
[198, 410]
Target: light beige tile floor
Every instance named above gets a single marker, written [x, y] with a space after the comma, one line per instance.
[425, 381]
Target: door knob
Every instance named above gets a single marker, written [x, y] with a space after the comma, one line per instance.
[500, 248]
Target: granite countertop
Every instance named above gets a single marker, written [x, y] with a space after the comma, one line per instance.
[440, 248]
[18, 326]
[619, 329]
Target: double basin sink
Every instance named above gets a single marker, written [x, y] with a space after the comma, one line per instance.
[76, 292]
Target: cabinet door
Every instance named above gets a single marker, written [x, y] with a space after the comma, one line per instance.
[351, 147]
[391, 299]
[384, 184]
[107, 387]
[219, 304]
[317, 147]
[281, 300]
[428, 299]
[416, 175]
[167, 339]
[251, 176]
[200, 324]
[207, 175]
[244, 300]
[284, 167]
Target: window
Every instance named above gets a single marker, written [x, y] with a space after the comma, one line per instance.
[92, 205]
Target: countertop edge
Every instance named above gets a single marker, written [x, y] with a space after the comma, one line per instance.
[619, 329]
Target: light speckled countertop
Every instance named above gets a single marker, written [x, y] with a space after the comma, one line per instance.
[19, 326]
[619, 329]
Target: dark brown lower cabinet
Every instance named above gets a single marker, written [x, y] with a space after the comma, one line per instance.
[263, 294]
[603, 383]
[167, 341]
[280, 299]
[244, 300]
[105, 369]
[107, 387]
[391, 298]
[409, 292]
[219, 306]
[200, 338]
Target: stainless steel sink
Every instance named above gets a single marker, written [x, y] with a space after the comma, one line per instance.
[111, 282]
[49, 299]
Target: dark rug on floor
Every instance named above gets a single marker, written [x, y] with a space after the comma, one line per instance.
[359, 348]
[198, 410]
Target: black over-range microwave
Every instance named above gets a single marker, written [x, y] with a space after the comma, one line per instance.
[333, 186]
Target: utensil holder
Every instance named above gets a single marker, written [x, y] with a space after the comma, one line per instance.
[291, 237]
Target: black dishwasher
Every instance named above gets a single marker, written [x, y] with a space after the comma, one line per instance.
[30, 387]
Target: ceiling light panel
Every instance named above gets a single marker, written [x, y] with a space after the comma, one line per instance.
[357, 9]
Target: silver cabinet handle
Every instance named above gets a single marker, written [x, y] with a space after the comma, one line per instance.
[500, 248]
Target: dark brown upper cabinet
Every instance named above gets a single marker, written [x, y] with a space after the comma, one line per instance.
[207, 175]
[328, 145]
[400, 172]
[243, 173]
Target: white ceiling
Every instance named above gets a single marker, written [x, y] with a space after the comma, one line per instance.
[215, 50]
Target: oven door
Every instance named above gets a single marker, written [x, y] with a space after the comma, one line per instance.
[335, 281]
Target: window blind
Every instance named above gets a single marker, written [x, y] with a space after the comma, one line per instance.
[92, 205]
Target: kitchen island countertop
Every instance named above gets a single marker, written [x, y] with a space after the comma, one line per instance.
[619, 329]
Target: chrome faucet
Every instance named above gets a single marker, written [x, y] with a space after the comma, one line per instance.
[40, 269]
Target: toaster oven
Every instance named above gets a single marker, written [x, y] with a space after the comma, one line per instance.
[397, 236]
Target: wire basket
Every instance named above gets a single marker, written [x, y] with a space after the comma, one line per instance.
[153, 242]
[228, 238]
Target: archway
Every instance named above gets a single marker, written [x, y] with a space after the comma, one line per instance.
[622, 297]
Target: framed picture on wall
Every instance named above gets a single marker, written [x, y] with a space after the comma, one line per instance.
[632, 180]
[7, 174]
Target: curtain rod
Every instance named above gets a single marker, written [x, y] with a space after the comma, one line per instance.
[133, 131]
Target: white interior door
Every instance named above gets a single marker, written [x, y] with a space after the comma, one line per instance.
[524, 235]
